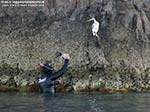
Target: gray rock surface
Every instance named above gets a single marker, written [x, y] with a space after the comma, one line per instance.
[30, 35]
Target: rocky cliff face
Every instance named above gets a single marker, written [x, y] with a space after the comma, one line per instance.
[121, 58]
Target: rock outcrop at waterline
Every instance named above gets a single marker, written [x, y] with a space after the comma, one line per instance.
[120, 59]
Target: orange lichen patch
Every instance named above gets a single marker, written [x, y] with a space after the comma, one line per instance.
[101, 90]
[146, 90]
[7, 89]
[113, 90]
[31, 88]
[124, 90]
[104, 90]
[61, 90]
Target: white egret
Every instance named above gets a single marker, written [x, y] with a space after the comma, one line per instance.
[95, 27]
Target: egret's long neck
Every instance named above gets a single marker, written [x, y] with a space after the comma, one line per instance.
[94, 20]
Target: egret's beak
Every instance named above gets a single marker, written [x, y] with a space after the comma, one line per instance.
[89, 20]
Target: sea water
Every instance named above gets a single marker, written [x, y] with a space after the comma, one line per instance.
[70, 102]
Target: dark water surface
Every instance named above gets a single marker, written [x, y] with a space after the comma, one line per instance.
[83, 102]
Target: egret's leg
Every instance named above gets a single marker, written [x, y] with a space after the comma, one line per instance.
[97, 36]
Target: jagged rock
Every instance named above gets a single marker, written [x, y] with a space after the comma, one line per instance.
[32, 35]
[23, 82]
[4, 79]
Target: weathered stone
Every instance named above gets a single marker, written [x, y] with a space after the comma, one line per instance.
[4, 79]
[33, 35]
